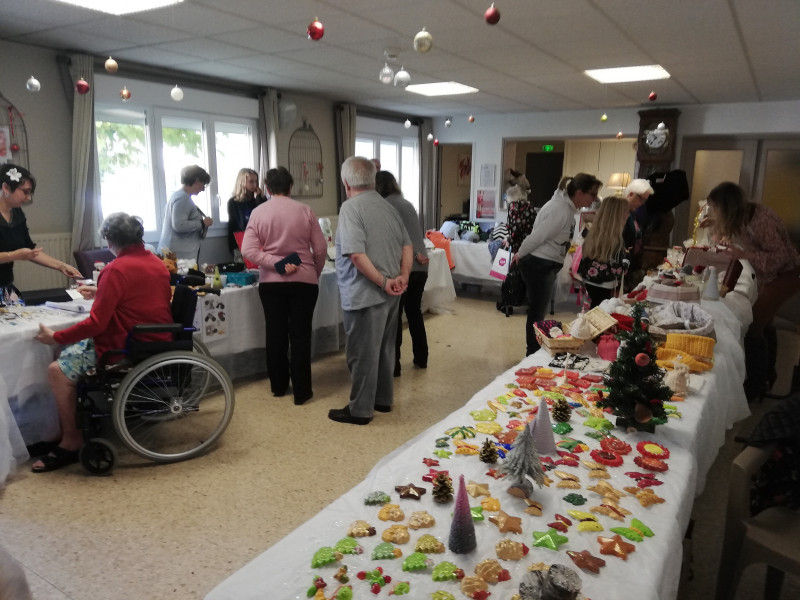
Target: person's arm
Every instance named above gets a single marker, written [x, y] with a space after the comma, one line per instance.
[48, 261]
[186, 217]
[544, 228]
[364, 265]
[110, 291]
[400, 283]
[319, 247]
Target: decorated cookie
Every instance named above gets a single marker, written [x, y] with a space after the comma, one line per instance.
[391, 512]
[325, 556]
[447, 571]
[420, 519]
[506, 523]
[386, 551]
[549, 539]
[360, 529]
[429, 545]
[510, 550]
[471, 584]
[410, 491]
[397, 534]
[491, 571]
[348, 545]
[490, 504]
[374, 498]
[416, 562]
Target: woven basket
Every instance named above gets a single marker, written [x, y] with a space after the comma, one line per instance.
[556, 345]
[599, 320]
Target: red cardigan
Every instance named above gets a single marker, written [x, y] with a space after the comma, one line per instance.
[132, 289]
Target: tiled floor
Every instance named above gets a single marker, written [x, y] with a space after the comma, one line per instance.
[175, 531]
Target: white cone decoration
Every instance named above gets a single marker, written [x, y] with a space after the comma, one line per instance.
[711, 290]
[542, 430]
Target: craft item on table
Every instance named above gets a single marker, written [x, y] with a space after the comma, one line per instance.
[606, 490]
[575, 499]
[428, 545]
[599, 472]
[598, 423]
[431, 474]
[559, 526]
[341, 575]
[447, 571]
[430, 462]
[580, 328]
[483, 414]
[410, 491]
[488, 452]
[541, 430]
[465, 448]
[562, 428]
[646, 497]
[491, 571]
[569, 360]
[678, 380]
[442, 488]
[477, 513]
[401, 588]
[510, 550]
[442, 453]
[673, 291]
[636, 393]
[636, 532]
[572, 445]
[474, 587]
[652, 450]
[476, 489]
[495, 473]
[523, 460]
[325, 556]
[534, 508]
[348, 545]
[488, 427]
[614, 444]
[442, 595]
[360, 529]
[375, 578]
[318, 584]
[506, 437]
[549, 539]
[568, 480]
[462, 529]
[420, 519]
[374, 498]
[611, 509]
[506, 523]
[651, 464]
[490, 504]
[397, 534]
[561, 410]
[391, 512]
[461, 433]
[386, 551]
[559, 582]
[442, 442]
[615, 546]
[416, 561]
[607, 457]
[589, 525]
[586, 561]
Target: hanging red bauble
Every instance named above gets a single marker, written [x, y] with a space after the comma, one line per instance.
[642, 359]
[15, 147]
[652, 97]
[125, 94]
[492, 15]
[436, 142]
[82, 86]
[315, 30]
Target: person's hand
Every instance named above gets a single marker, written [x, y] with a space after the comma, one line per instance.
[290, 268]
[422, 258]
[395, 286]
[515, 258]
[208, 221]
[87, 291]
[70, 271]
[45, 335]
[26, 253]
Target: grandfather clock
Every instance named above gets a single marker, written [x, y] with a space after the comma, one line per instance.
[658, 130]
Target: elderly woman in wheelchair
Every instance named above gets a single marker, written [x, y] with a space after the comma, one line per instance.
[132, 289]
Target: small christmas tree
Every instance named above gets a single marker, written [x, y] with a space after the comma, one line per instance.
[442, 488]
[462, 530]
[488, 452]
[636, 389]
[561, 410]
[523, 460]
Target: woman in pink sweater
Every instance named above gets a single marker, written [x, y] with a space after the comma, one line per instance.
[286, 229]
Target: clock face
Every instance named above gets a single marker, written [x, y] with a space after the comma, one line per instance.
[655, 139]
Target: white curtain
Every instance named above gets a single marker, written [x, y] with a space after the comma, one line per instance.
[267, 129]
[428, 200]
[344, 116]
[86, 209]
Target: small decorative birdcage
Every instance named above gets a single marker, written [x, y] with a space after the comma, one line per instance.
[13, 137]
[305, 162]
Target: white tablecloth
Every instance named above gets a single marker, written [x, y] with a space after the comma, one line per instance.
[651, 572]
[472, 263]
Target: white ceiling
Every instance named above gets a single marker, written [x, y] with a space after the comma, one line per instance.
[717, 51]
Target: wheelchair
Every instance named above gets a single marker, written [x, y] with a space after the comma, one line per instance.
[168, 401]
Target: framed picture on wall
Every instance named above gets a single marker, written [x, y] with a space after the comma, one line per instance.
[464, 170]
[485, 204]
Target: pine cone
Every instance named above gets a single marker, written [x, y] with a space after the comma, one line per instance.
[442, 488]
[561, 410]
[488, 452]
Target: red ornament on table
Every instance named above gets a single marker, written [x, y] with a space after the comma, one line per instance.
[652, 97]
[616, 445]
[492, 15]
[315, 30]
[642, 359]
[82, 86]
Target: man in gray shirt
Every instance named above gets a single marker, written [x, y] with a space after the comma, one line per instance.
[373, 261]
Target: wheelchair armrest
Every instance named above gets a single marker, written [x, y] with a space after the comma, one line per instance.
[146, 328]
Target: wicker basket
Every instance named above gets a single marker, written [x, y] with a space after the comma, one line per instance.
[556, 345]
[599, 321]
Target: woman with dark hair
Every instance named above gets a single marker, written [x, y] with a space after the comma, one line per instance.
[246, 196]
[132, 289]
[284, 239]
[411, 300]
[541, 254]
[185, 225]
[18, 185]
[754, 232]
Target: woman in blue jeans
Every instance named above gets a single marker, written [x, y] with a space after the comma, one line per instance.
[541, 255]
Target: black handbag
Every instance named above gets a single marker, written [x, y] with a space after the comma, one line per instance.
[513, 291]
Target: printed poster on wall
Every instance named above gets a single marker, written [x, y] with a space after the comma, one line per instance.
[486, 202]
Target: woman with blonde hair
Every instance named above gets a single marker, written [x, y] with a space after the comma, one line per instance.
[245, 197]
[604, 257]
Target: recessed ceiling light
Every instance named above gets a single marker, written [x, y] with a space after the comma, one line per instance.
[442, 88]
[121, 8]
[626, 74]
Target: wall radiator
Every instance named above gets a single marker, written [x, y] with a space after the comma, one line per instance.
[30, 276]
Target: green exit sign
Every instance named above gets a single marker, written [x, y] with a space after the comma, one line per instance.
[547, 148]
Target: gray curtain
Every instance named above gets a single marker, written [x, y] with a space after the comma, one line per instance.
[344, 117]
[428, 199]
[267, 130]
[86, 208]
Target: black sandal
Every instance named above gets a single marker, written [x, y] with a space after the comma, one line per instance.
[58, 458]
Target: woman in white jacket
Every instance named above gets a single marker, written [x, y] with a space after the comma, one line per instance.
[541, 255]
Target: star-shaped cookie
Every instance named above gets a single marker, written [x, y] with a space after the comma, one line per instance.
[410, 491]
[616, 546]
[549, 539]
[506, 523]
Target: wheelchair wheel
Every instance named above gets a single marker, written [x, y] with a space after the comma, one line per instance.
[98, 456]
[200, 348]
[173, 406]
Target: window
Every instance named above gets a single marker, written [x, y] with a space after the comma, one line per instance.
[398, 153]
[141, 154]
